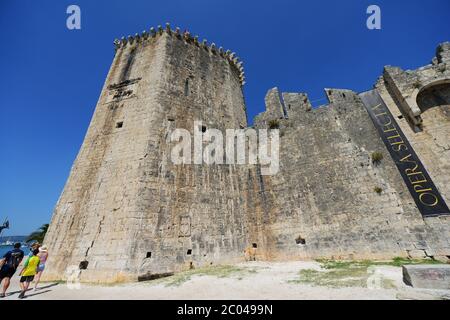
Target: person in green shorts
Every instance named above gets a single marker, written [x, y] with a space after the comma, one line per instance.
[28, 272]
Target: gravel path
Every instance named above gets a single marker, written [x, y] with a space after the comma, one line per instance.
[252, 280]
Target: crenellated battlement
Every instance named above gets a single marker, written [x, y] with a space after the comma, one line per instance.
[185, 36]
[294, 105]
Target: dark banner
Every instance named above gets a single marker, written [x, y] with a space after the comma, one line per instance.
[420, 185]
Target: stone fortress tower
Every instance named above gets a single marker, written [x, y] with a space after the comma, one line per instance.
[128, 213]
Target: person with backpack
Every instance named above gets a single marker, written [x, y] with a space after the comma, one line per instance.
[8, 266]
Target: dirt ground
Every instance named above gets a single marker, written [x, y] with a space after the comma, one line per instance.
[250, 280]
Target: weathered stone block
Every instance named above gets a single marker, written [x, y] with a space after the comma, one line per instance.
[427, 276]
[443, 259]
[416, 254]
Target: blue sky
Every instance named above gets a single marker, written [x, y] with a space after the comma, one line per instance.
[51, 77]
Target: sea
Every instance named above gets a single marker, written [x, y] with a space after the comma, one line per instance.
[4, 249]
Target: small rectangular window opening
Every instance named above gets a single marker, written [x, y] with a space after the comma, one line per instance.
[189, 252]
[186, 87]
[148, 255]
[300, 241]
[119, 124]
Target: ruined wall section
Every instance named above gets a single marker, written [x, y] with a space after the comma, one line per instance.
[324, 198]
[403, 90]
[427, 92]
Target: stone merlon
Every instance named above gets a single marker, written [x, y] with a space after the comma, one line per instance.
[296, 103]
[340, 95]
[443, 52]
[274, 105]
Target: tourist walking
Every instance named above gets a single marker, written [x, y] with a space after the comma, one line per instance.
[8, 266]
[28, 272]
[33, 247]
[43, 256]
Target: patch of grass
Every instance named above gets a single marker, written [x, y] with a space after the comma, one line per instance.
[354, 277]
[335, 264]
[378, 190]
[396, 262]
[338, 274]
[376, 157]
[215, 271]
[274, 124]
[399, 261]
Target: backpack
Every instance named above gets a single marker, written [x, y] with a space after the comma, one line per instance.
[14, 259]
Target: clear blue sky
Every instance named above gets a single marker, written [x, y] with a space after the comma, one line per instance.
[51, 77]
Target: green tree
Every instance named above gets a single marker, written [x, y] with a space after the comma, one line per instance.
[39, 234]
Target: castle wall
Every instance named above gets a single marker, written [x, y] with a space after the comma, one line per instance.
[128, 213]
[427, 91]
[324, 199]
[430, 139]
